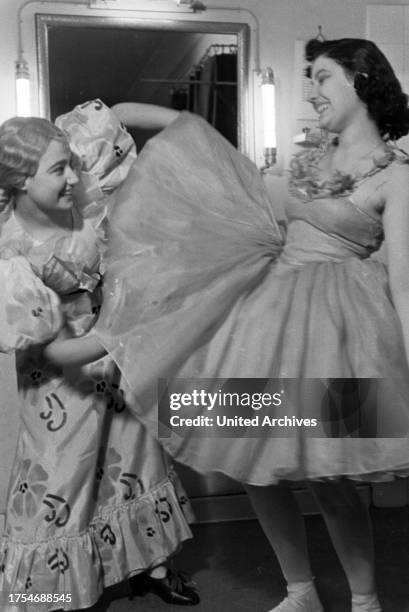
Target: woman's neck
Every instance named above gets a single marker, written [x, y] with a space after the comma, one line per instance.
[357, 141]
[39, 223]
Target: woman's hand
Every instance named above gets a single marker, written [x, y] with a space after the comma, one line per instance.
[65, 351]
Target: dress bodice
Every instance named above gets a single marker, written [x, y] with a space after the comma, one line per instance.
[67, 263]
[329, 228]
[325, 221]
[70, 264]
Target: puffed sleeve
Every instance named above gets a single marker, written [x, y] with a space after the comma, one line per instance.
[105, 152]
[29, 311]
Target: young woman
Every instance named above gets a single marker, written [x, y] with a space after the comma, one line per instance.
[93, 499]
[200, 283]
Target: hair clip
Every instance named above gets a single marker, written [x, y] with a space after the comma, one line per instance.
[320, 36]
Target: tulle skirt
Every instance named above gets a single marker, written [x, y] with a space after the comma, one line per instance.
[197, 289]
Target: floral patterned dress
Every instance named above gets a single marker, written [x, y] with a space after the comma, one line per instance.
[29, 312]
[92, 497]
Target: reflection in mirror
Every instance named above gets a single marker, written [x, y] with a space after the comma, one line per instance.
[197, 66]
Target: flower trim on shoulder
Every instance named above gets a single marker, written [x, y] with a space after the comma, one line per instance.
[304, 174]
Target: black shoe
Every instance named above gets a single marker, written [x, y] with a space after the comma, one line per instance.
[176, 588]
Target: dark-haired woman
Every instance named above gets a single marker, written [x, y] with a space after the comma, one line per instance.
[224, 297]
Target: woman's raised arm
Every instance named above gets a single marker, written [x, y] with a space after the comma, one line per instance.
[74, 351]
[145, 116]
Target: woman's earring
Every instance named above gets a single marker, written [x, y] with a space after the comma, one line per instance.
[23, 188]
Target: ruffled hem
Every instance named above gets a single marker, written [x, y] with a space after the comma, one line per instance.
[300, 476]
[324, 321]
[288, 459]
[123, 540]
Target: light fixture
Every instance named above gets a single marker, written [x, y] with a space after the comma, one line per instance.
[23, 96]
[22, 73]
[269, 117]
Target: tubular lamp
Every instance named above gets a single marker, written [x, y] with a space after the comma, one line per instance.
[23, 97]
[269, 116]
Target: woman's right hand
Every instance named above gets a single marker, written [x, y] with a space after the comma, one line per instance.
[76, 352]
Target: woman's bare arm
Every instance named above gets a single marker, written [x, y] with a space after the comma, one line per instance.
[396, 228]
[75, 351]
[145, 116]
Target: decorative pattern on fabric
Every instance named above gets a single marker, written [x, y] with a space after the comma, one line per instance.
[122, 540]
[91, 499]
[30, 312]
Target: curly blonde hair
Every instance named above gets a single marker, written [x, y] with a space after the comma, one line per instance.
[23, 141]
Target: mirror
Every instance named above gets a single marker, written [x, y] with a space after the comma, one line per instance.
[197, 66]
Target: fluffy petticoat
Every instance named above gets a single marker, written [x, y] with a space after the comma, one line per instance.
[200, 284]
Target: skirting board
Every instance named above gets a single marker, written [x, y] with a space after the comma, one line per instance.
[222, 508]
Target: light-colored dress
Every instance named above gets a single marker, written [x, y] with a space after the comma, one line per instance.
[92, 498]
[226, 297]
[29, 312]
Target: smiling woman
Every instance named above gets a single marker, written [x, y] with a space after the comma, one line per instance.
[234, 299]
[370, 76]
[80, 483]
[39, 175]
[333, 95]
[50, 190]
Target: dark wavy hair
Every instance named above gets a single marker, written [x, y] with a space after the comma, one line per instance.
[374, 80]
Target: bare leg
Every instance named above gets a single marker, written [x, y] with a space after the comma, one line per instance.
[281, 520]
[348, 523]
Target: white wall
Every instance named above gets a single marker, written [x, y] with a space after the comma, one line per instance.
[280, 23]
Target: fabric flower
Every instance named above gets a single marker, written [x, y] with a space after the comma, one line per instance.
[29, 489]
[31, 311]
[305, 172]
[108, 472]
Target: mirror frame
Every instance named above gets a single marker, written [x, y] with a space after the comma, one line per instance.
[44, 22]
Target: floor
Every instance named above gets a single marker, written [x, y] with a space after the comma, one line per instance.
[236, 571]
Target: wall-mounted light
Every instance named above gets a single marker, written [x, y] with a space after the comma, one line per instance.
[22, 73]
[23, 96]
[269, 117]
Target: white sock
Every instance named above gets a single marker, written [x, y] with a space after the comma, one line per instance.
[158, 572]
[365, 603]
[301, 597]
[297, 590]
